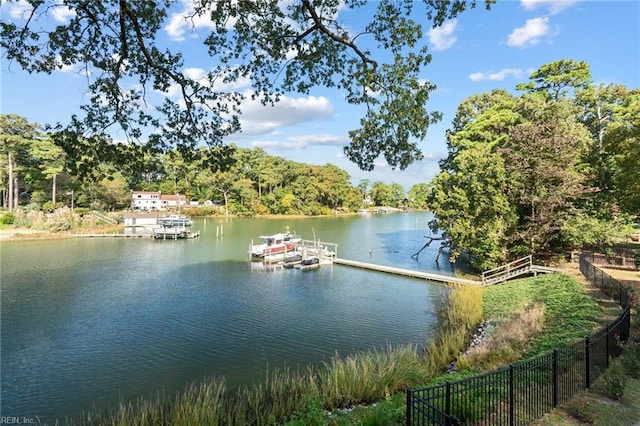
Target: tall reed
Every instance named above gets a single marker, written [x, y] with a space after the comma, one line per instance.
[462, 314]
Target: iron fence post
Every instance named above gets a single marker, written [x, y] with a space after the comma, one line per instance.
[511, 395]
[555, 377]
[606, 343]
[447, 403]
[587, 363]
[409, 406]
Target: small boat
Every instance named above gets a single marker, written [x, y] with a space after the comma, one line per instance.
[172, 233]
[309, 263]
[175, 220]
[275, 245]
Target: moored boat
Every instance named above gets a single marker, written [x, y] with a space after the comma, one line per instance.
[175, 220]
[275, 245]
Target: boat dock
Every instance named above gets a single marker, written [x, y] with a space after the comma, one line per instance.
[406, 272]
[160, 236]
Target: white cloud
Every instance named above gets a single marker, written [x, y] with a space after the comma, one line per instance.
[186, 20]
[554, 6]
[496, 76]
[62, 13]
[530, 34]
[302, 142]
[257, 119]
[18, 10]
[443, 37]
[22, 10]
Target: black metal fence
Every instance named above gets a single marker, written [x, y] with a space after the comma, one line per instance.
[523, 392]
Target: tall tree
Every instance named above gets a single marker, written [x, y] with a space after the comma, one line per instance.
[280, 47]
[559, 79]
[541, 156]
[16, 137]
[471, 206]
[52, 160]
[622, 142]
[609, 112]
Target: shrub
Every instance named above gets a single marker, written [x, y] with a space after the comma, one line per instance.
[582, 409]
[7, 218]
[630, 359]
[613, 381]
[50, 207]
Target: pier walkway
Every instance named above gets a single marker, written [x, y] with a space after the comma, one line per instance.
[494, 276]
[406, 272]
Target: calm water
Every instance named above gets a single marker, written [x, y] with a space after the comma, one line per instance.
[86, 322]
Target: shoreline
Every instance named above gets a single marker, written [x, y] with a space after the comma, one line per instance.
[11, 233]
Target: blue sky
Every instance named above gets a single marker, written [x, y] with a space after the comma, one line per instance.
[477, 52]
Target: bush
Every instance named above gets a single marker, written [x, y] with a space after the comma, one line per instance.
[630, 359]
[7, 218]
[614, 380]
[50, 207]
[582, 409]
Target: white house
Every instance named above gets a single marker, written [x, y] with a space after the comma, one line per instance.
[147, 200]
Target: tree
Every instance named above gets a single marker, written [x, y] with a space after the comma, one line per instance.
[52, 158]
[16, 136]
[542, 157]
[417, 196]
[279, 47]
[471, 206]
[558, 78]
[398, 194]
[381, 194]
[622, 142]
[610, 112]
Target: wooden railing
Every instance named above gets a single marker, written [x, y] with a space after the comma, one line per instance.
[104, 217]
[510, 270]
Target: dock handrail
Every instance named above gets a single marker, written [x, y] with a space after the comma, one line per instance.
[509, 270]
[104, 217]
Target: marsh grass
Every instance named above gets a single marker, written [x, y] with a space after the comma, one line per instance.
[463, 313]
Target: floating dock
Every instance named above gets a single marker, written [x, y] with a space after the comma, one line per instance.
[406, 272]
[170, 236]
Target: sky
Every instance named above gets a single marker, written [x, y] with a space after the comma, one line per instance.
[477, 52]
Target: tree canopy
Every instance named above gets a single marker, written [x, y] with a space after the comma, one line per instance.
[279, 47]
[525, 174]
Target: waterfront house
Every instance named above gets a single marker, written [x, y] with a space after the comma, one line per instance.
[156, 200]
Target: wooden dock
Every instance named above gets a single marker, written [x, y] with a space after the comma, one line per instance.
[406, 272]
[112, 235]
[190, 235]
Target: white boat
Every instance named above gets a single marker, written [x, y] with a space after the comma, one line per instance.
[275, 245]
[173, 232]
[175, 220]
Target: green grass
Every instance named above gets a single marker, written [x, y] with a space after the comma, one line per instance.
[570, 315]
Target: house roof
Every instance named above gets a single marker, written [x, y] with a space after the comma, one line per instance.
[134, 215]
[146, 192]
[172, 197]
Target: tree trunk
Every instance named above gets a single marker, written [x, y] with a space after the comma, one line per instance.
[16, 193]
[10, 190]
[54, 189]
